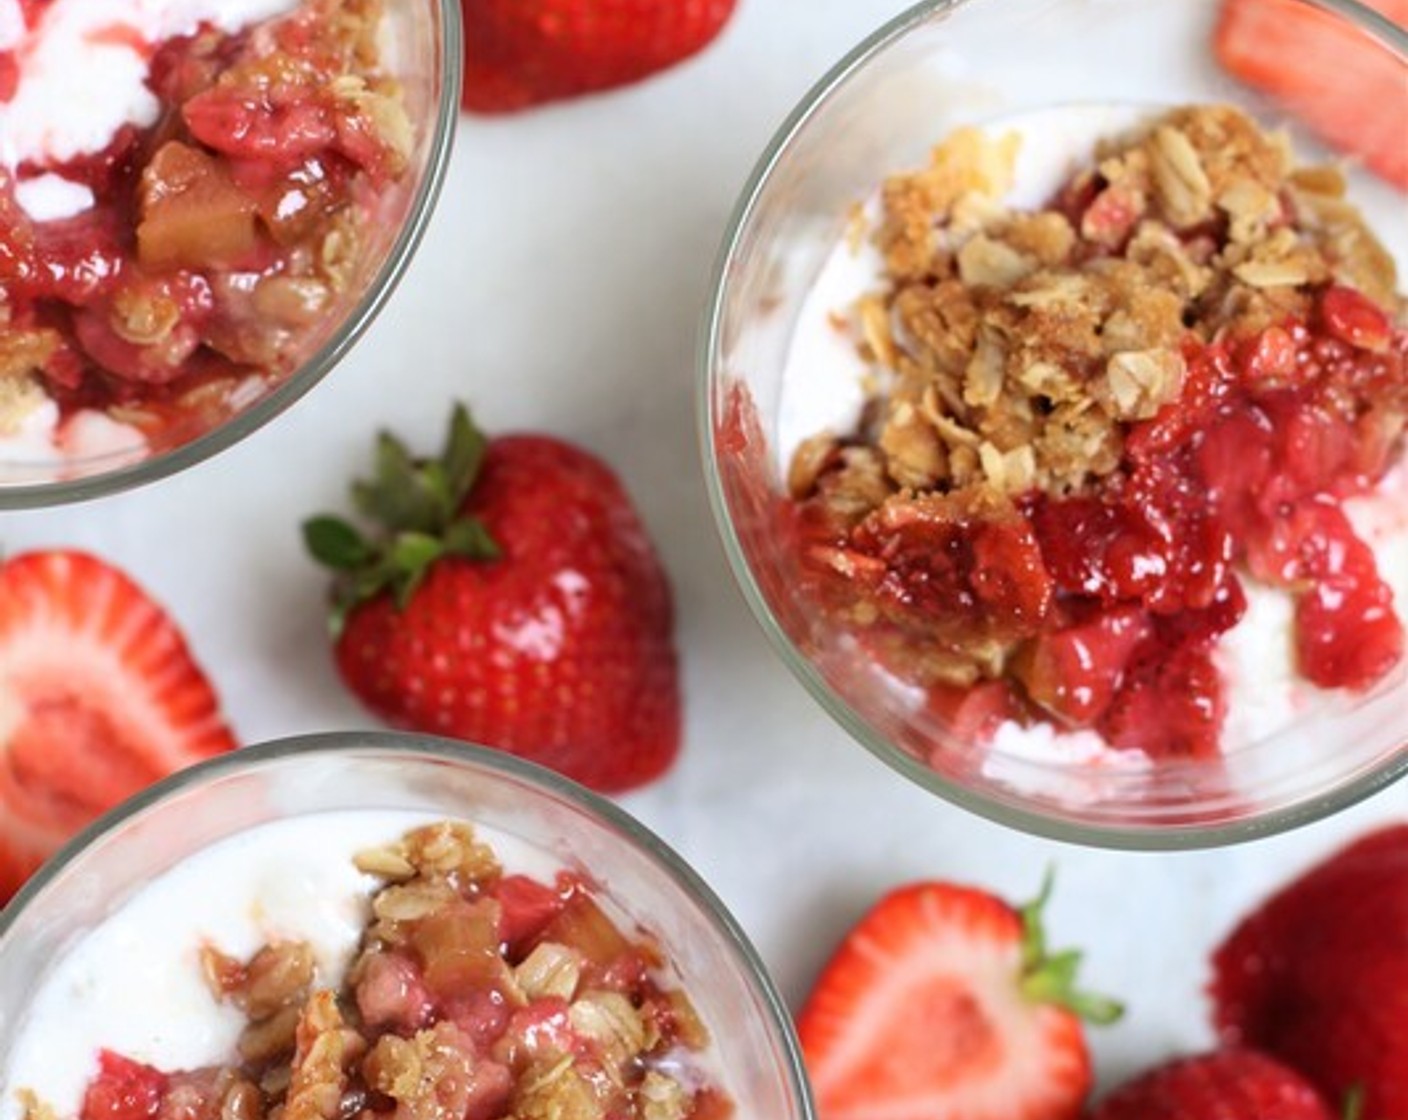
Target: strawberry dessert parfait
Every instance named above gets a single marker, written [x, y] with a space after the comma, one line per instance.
[194, 196]
[331, 944]
[1098, 436]
[1089, 447]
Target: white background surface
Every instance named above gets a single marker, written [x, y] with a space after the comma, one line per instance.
[559, 289]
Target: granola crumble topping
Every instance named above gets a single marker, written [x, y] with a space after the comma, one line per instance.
[1019, 345]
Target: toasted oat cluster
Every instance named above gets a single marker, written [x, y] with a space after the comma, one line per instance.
[1021, 344]
[1089, 420]
[221, 239]
[475, 995]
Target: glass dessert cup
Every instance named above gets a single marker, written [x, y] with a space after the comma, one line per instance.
[880, 111]
[754, 1050]
[420, 45]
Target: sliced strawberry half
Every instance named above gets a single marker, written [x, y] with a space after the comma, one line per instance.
[944, 1004]
[1346, 87]
[99, 697]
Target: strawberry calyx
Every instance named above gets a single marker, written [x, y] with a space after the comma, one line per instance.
[416, 507]
[1050, 977]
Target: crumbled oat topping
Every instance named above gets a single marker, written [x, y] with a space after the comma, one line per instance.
[20, 394]
[1017, 346]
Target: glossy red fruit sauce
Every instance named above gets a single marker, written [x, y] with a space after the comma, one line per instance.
[1117, 597]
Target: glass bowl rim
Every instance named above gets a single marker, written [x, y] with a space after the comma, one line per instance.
[44, 495]
[540, 781]
[1035, 821]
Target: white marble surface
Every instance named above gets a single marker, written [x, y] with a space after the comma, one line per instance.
[560, 289]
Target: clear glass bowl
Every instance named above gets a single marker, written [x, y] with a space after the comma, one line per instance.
[880, 110]
[421, 47]
[754, 1045]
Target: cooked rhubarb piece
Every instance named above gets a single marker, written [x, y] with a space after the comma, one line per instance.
[1074, 673]
[192, 213]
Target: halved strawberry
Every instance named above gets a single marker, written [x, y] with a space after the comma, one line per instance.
[1343, 85]
[99, 697]
[944, 1004]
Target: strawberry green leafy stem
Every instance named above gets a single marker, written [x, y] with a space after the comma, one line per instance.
[415, 506]
[1049, 977]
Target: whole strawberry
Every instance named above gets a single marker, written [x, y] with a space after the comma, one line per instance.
[520, 53]
[944, 1003]
[510, 597]
[1224, 1085]
[1318, 975]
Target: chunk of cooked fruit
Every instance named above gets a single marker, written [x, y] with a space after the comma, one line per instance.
[1099, 549]
[1171, 705]
[974, 713]
[123, 1090]
[583, 925]
[458, 946]
[960, 558]
[1355, 319]
[526, 907]
[1074, 673]
[193, 215]
[391, 992]
[1347, 634]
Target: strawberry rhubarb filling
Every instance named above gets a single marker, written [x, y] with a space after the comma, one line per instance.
[1094, 426]
[186, 195]
[461, 990]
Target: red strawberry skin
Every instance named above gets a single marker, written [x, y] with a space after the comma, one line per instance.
[521, 53]
[560, 651]
[919, 1016]
[1224, 1085]
[1318, 975]
[99, 697]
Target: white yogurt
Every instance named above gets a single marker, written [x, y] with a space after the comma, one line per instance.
[824, 389]
[54, 116]
[42, 443]
[50, 198]
[134, 984]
